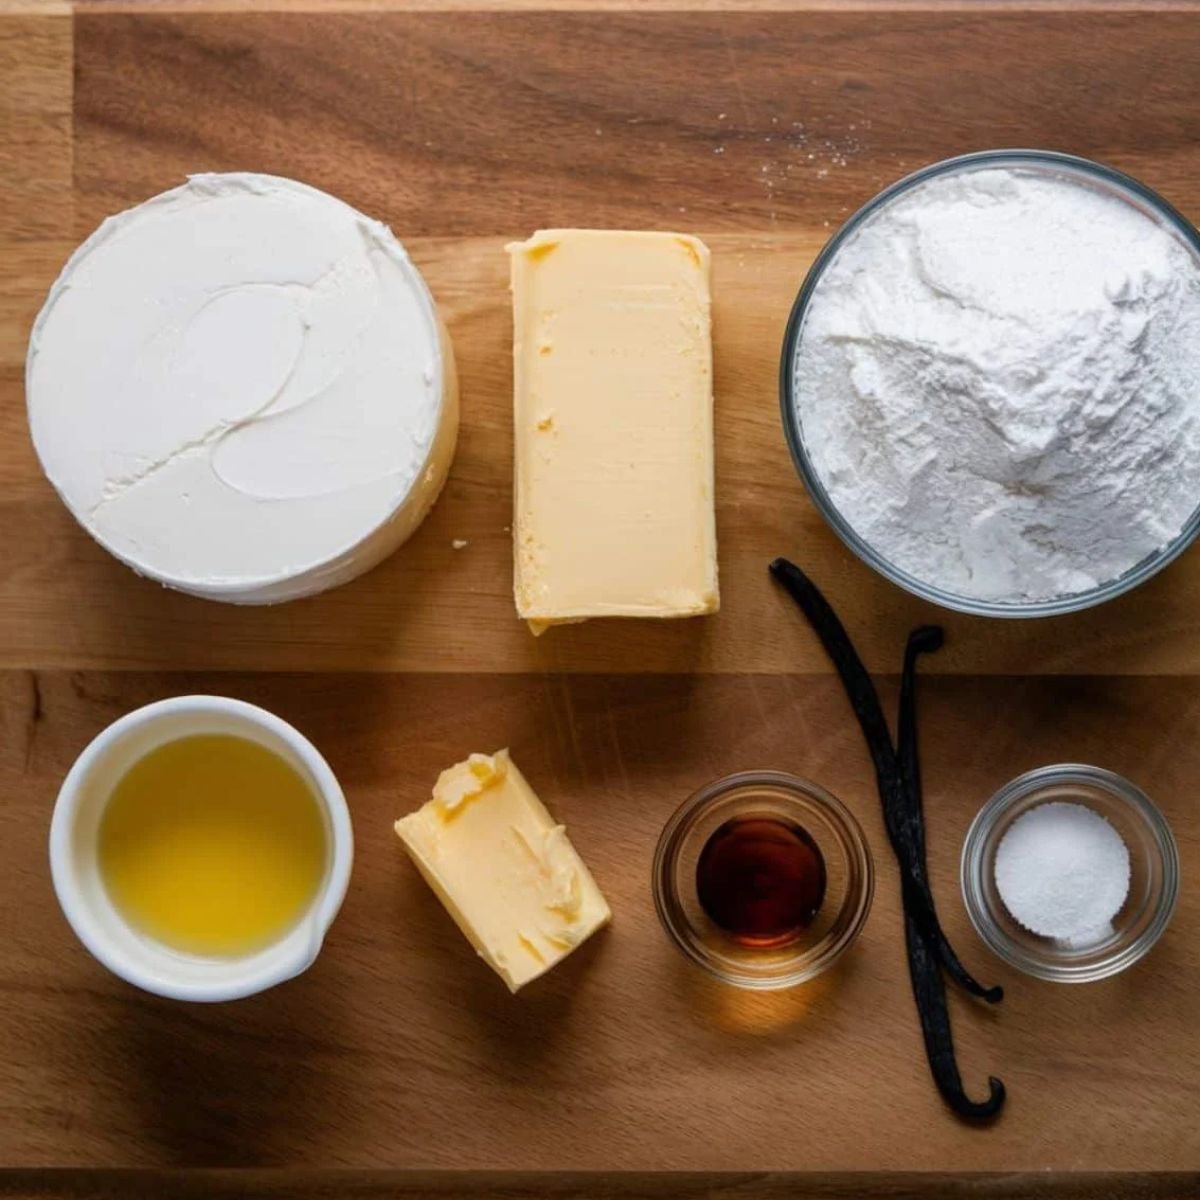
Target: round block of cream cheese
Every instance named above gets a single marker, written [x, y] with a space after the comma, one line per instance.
[242, 389]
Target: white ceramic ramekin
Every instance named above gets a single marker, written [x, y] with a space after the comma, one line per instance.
[85, 902]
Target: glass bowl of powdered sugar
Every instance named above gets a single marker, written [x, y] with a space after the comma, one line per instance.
[1070, 873]
[991, 383]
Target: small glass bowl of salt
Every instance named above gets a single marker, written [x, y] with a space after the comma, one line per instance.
[1070, 873]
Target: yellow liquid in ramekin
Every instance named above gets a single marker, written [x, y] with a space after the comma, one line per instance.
[213, 845]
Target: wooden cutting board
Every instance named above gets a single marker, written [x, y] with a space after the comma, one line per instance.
[759, 130]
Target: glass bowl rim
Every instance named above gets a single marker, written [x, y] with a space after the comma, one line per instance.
[835, 811]
[971, 866]
[1074, 602]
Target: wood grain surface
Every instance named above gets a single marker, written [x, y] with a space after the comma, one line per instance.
[589, 1185]
[760, 131]
[462, 131]
[399, 1049]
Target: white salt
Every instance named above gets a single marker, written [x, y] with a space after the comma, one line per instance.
[1063, 872]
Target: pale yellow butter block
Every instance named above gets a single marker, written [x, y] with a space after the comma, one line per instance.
[613, 407]
[503, 868]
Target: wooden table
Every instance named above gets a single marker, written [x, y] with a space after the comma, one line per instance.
[760, 130]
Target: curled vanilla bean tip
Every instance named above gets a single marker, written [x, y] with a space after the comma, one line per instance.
[995, 1101]
[978, 1110]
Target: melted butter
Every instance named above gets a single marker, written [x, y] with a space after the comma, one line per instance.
[213, 845]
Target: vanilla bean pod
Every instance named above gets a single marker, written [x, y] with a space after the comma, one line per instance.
[898, 779]
[925, 640]
[929, 989]
[903, 827]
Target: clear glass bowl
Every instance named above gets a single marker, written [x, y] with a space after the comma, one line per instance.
[849, 886]
[1153, 884]
[1095, 175]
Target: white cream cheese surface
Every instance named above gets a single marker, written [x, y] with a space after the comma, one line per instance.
[242, 389]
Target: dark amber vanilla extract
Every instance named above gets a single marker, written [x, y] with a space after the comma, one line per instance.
[761, 879]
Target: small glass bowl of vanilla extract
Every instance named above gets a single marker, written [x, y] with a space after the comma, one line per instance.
[763, 878]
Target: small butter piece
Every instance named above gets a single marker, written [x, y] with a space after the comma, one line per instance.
[503, 869]
[613, 409]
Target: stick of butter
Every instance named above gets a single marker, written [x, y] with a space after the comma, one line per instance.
[503, 869]
[613, 406]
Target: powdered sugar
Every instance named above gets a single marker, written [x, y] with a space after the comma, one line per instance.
[998, 383]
